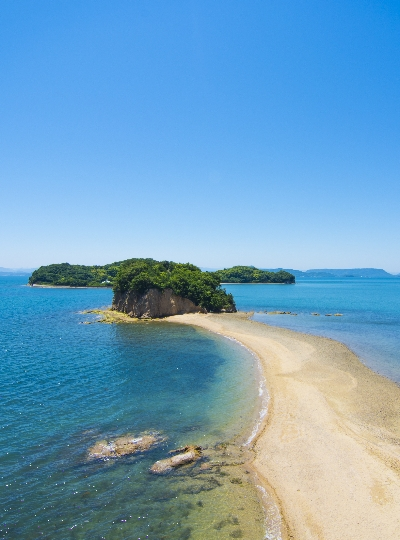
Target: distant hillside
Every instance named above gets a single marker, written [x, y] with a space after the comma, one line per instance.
[356, 272]
[329, 273]
[15, 271]
[250, 274]
[75, 275]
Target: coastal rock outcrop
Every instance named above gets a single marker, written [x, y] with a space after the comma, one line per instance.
[124, 446]
[188, 454]
[153, 304]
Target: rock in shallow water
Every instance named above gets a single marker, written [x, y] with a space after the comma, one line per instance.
[124, 446]
[188, 455]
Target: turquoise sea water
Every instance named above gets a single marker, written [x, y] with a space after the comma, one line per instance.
[66, 385]
[370, 324]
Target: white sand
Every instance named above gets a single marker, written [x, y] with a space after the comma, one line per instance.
[329, 448]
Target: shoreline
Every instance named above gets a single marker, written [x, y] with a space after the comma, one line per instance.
[66, 286]
[328, 449]
[253, 283]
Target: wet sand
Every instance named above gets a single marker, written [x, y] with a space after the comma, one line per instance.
[329, 448]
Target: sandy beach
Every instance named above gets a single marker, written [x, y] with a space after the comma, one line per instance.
[329, 448]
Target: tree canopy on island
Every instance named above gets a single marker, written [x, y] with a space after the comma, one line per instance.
[186, 280]
[75, 275]
[140, 275]
[250, 274]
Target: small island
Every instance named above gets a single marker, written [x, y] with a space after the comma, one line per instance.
[79, 275]
[145, 288]
[250, 274]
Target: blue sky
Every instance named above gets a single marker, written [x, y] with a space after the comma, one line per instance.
[216, 132]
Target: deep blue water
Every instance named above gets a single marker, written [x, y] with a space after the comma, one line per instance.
[66, 385]
[370, 324]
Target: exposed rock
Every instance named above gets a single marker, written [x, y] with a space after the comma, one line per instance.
[316, 314]
[124, 446]
[338, 315]
[190, 454]
[153, 304]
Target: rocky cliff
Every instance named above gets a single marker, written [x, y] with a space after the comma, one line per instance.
[153, 304]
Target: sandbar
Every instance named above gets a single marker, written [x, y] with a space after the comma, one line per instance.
[329, 447]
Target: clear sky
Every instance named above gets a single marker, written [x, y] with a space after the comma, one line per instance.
[262, 132]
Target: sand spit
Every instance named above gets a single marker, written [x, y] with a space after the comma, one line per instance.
[329, 448]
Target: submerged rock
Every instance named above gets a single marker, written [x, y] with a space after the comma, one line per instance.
[124, 446]
[189, 455]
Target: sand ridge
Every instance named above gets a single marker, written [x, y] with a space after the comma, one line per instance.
[329, 448]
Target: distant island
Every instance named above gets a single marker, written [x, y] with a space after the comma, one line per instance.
[75, 275]
[328, 273]
[250, 274]
[149, 288]
[144, 287]
[15, 271]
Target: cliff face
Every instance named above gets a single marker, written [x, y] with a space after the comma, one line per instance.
[153, 304]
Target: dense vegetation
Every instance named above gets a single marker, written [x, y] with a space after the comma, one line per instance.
[250, 274]
[186, 280]
[140, 275]
[75, 275]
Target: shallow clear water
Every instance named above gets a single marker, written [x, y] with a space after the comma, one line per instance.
[66, 385]
[370, 324]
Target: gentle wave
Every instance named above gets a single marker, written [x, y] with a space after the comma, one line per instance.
[262, 391]
[272, 516]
